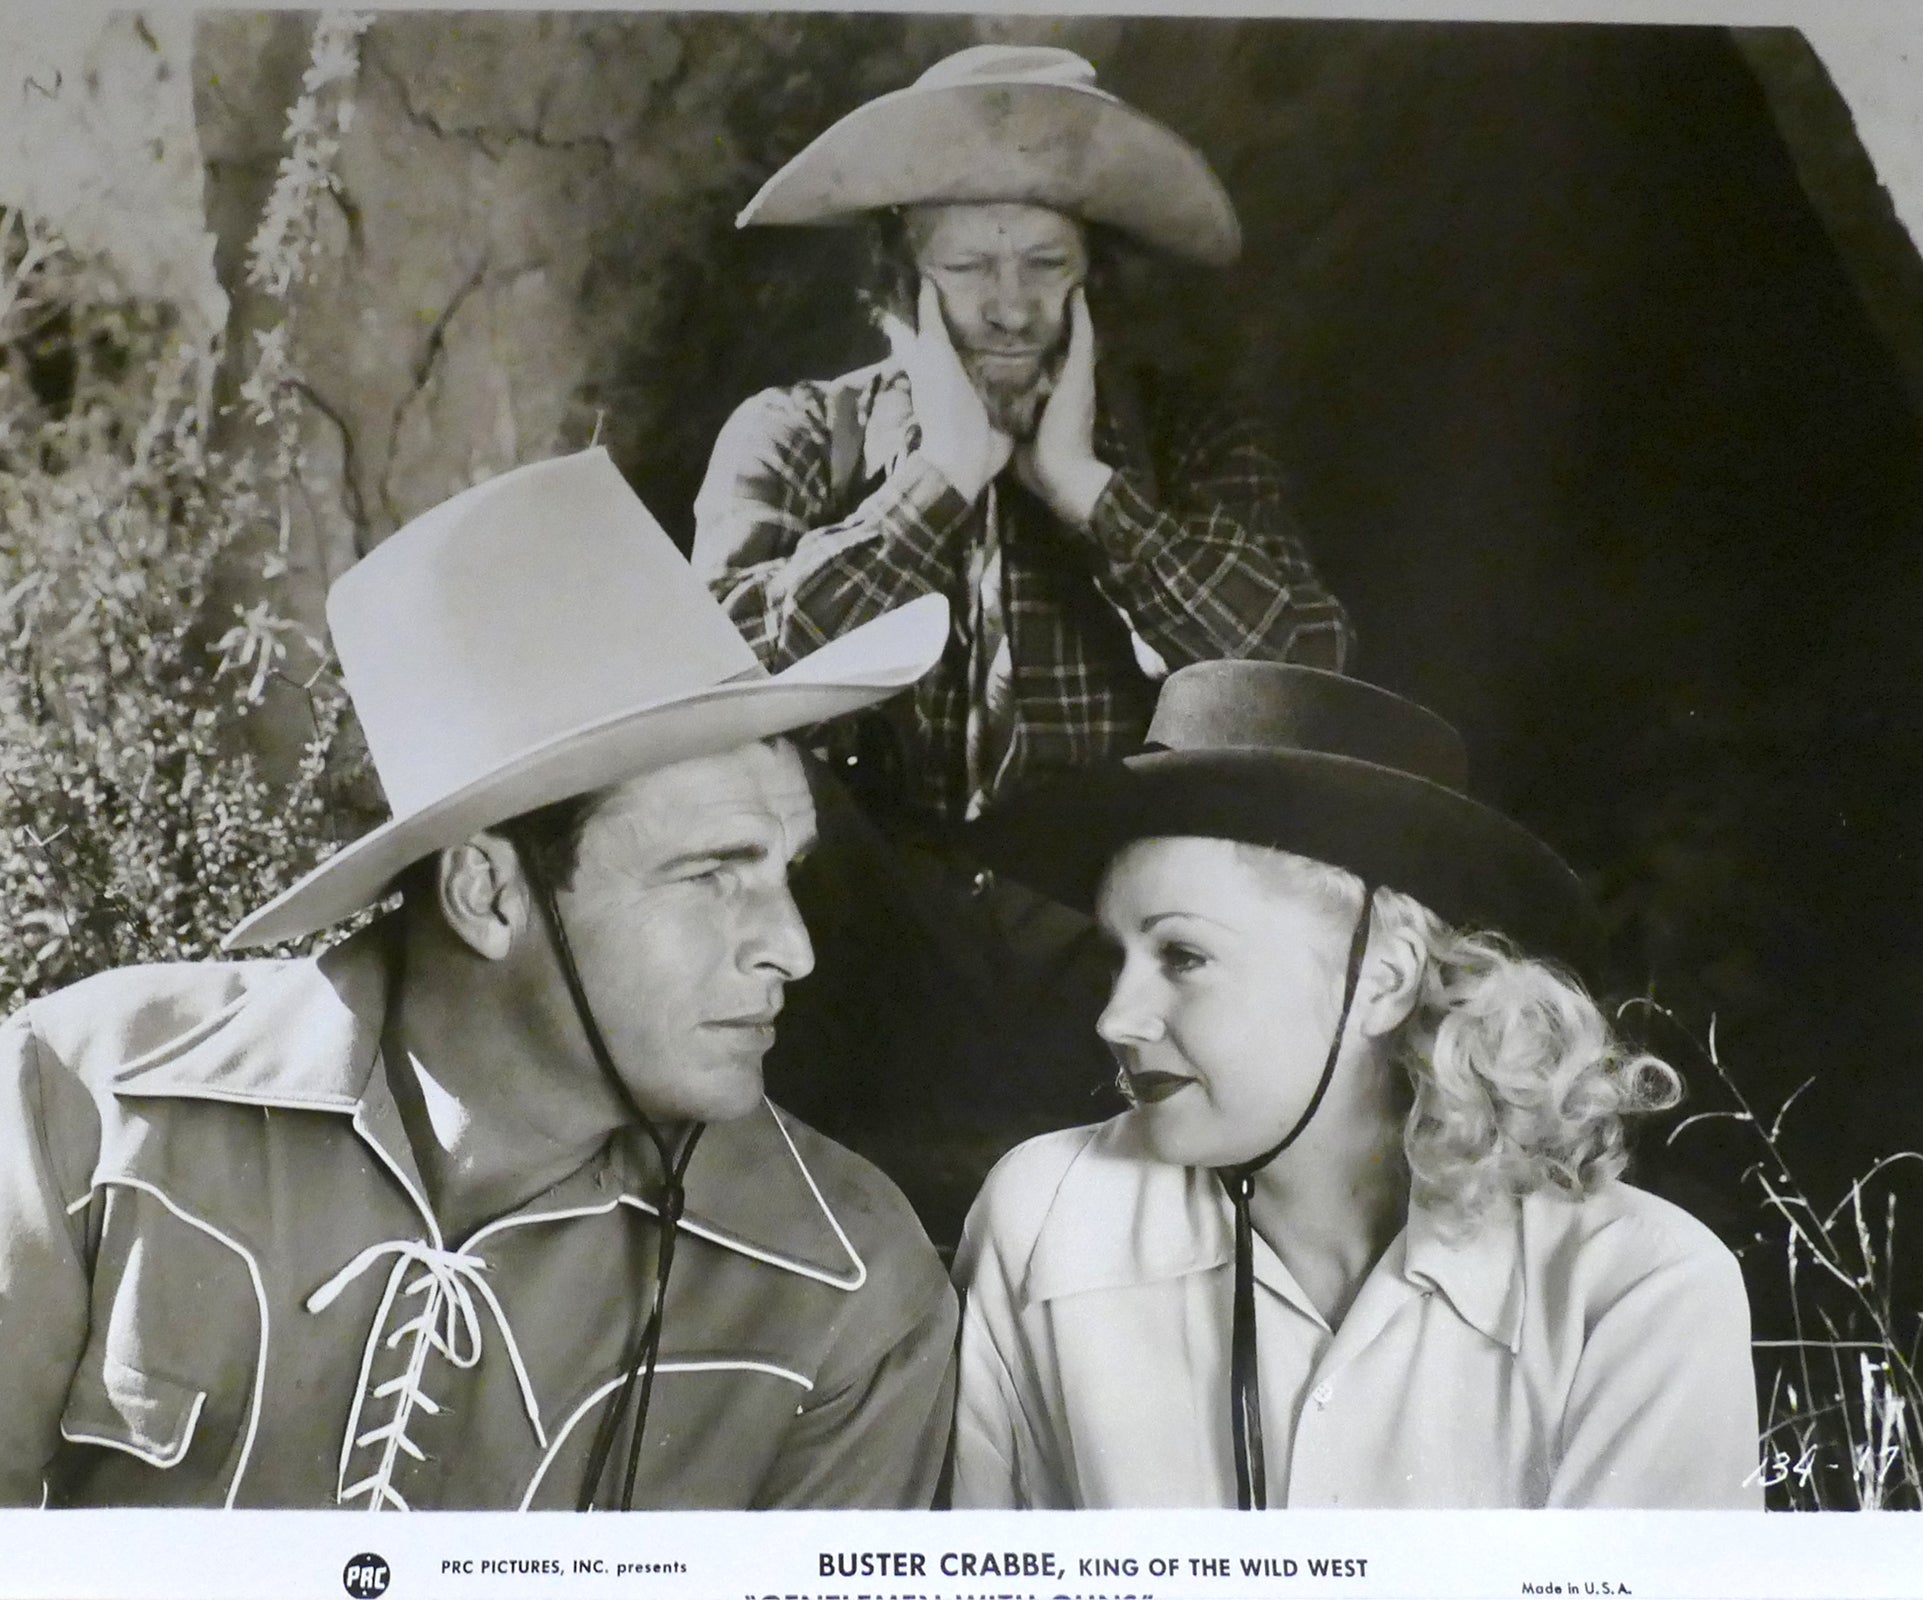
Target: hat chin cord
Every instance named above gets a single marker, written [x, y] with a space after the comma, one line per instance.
[644, 1352]
[1245, 1388]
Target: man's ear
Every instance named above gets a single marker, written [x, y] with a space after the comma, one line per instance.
[1391, 980]
[482, 894]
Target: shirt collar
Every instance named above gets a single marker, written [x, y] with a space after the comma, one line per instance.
[1159, 1222]
[307, 1035]
[1137, 1220]
[750, 1190]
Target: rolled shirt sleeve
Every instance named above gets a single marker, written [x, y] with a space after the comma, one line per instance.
[790, 578]
[1206, 561]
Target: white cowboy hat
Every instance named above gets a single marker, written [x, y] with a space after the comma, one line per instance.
[539, 636]
[1005, 122]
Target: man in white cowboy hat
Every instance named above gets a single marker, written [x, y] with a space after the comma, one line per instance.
[484, 1207]
[1091, 526]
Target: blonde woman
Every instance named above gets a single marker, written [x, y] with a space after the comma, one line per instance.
[1361, 1239]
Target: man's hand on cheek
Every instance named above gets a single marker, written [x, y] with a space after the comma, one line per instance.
[956, 435]
[1060, 463]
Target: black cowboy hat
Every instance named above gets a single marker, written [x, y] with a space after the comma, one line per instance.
[1313, 763]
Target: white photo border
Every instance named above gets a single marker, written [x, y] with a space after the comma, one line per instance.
[146, 1554]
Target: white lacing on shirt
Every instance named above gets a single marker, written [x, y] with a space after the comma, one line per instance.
[447, 1322]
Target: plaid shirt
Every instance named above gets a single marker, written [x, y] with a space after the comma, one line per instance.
[819, 513]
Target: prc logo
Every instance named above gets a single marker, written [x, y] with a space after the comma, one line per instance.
[366, 1577]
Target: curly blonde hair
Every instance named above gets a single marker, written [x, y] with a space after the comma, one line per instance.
[1518, 1081]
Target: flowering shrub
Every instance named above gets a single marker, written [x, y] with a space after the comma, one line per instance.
[137, 821]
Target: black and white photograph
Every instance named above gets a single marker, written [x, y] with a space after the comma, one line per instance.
[980, 763]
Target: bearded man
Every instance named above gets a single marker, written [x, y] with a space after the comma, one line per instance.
[1092, 528]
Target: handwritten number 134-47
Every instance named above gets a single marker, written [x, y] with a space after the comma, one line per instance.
[1777, 1466]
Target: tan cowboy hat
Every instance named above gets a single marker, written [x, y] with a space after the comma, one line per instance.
[539, 636]
[1006, 122]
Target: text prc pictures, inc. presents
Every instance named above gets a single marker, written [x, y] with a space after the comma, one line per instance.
[552, 1567]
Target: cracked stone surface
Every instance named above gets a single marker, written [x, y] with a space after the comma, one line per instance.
[530, 205]
[97, 136]
[536, 208]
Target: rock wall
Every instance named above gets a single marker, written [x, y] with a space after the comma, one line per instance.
[97, 135]
[535, 244]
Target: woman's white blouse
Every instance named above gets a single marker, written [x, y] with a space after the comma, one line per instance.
[1570, 1353]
